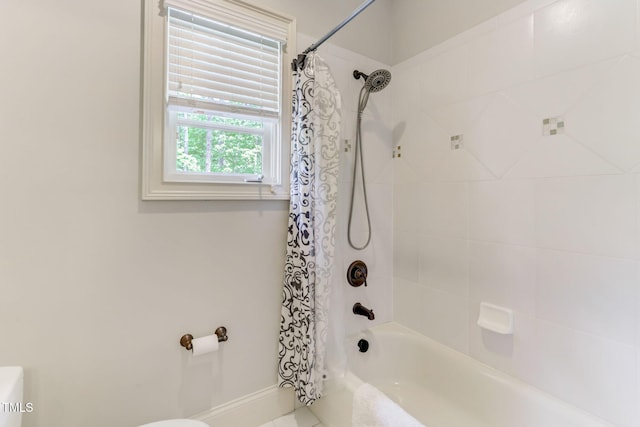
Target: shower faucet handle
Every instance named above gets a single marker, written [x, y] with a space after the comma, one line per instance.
[357, 274]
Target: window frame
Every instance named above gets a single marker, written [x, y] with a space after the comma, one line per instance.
[155, 118]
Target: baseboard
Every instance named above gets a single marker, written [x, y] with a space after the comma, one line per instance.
[251, 410]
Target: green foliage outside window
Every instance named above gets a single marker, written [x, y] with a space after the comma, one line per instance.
[210, 150]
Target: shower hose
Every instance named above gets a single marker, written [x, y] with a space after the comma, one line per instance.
[358, 158]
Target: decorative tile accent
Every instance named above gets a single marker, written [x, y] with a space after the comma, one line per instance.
[552, 126]
[457, 142]
[396, 152]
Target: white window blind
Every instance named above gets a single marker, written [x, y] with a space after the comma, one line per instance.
[216, 66]
[238, 14]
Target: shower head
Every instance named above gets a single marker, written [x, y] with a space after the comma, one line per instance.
[378, 80]
[375, 81]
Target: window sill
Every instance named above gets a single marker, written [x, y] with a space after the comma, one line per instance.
[190, 191]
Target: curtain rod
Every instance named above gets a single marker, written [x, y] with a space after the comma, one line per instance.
[299, 62]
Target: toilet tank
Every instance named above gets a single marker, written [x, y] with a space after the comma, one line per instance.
[11, 403]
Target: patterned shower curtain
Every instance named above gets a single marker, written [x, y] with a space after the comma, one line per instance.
[311, 241]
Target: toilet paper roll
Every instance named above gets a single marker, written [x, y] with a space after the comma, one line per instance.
[204, 345]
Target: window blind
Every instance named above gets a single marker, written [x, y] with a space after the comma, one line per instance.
[214, 65]
[238, 14]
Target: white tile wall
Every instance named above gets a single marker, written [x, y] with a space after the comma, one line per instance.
[572, 33]
[445, 317]
[560, 155]
[556, 94]
[504, 275]
[426, 149]
[595, 214]
[445, 80]
[444, 264]
[502, 134]
[586, 370]
[502, 211]
[444, 209]
[502, 58]
[459, 117]
[406, 254]
[545, 225]
[606, 119]
[409, 303]
[590, 293]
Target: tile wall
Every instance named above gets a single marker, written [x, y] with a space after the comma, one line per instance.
[518, 185]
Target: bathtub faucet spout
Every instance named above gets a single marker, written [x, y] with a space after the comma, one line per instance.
[361, 310]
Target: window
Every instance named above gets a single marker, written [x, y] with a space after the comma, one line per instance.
[213, 101]
[209, 147]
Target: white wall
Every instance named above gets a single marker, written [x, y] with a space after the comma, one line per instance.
[545, 225]
[368, 34]
[422, 24]
[97, 286]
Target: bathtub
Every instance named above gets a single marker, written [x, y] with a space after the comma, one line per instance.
[441, 387]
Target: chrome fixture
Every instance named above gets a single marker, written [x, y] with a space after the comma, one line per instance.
[375, 81]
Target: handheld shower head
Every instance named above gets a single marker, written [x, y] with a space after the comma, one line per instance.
[376, 81]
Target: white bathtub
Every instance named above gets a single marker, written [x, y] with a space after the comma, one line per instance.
[441, 387]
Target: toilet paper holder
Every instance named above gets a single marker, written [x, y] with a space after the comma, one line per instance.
[186, 339]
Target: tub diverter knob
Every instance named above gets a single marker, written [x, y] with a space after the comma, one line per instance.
[357, 274]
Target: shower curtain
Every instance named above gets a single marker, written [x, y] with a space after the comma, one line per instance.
[311, 230]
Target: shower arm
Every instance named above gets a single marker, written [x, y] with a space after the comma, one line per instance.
[357, 74]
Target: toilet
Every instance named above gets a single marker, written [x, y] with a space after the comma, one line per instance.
[176, 423]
